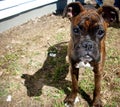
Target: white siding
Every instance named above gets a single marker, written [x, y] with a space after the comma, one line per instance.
[12, 7]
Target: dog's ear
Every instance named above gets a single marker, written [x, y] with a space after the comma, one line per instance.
[109, 14]
[72, 10]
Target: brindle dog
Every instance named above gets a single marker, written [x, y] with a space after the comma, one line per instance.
[87, 44]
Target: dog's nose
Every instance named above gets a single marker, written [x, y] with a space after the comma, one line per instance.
[87, 45]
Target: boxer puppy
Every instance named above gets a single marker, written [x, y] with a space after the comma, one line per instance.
[87, 44]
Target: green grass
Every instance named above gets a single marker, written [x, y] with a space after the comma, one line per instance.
[8, 88]
[56, 104]
[111, 104]
[10, 64]
[87, 81]
[59, 95]
[59, 72]
[59, 37]
[3, 92]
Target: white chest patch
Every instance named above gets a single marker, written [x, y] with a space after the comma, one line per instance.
[83, 65]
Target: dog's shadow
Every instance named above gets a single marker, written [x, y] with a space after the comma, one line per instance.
[52, 73]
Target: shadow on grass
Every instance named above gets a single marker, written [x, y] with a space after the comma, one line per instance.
[53, 73]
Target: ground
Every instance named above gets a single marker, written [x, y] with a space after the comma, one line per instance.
[33, 71]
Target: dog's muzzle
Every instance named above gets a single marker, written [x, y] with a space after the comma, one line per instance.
[88, 45]
[86, 51]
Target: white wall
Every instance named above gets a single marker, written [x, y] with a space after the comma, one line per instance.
[16, 12]
[13, 7]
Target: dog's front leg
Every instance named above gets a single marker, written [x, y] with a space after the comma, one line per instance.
[97, 78]
[71, 98]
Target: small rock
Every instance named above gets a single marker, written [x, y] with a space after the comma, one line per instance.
[9, 98]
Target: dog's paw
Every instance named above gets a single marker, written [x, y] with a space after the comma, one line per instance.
[70, 102]
[76, 100]
[68, 105]
[97, 103]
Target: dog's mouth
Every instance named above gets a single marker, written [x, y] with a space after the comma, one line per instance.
[84, 62]
[86, 58]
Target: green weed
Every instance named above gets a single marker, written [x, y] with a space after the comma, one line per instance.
[59, 37]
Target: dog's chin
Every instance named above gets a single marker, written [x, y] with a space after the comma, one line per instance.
[86, 59]
[84, 62]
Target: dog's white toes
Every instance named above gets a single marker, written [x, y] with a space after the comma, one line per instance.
[67, 105]
[76, 100]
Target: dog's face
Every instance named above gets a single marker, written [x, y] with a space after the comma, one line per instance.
[88, 30]
[87, 33]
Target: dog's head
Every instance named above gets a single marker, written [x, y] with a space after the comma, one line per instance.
[88, 30]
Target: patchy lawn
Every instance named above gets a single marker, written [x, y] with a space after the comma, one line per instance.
[33, 71]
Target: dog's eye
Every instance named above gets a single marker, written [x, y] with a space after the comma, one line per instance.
[100, 33]
[76, 30]
[81, 28]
